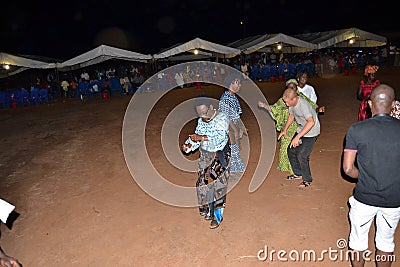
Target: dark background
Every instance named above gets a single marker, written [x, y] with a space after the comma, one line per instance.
[65, 29]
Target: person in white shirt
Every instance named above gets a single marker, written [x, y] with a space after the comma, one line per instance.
[85, 76]
[305, 88]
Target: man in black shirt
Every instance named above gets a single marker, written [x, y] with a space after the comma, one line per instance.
[375, 145]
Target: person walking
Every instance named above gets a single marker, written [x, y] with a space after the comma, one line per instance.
[371, 155]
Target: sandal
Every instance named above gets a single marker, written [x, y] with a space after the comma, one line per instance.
[304, 184]
[214, 224]
[293, 177]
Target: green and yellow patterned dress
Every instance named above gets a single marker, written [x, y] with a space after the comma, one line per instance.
[280, 113]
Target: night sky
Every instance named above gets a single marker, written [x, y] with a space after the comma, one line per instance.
[65, 29]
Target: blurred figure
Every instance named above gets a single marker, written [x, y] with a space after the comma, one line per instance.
[364, 91]
[5, 260]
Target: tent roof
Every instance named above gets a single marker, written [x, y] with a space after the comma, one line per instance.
[251, 44]
[244, 42]
[20, 63]
[198, 43]
[100, 54]
[340, 38]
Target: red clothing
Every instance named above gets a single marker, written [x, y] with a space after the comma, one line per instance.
[366, 89]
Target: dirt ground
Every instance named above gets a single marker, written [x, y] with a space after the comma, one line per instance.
[63, 167]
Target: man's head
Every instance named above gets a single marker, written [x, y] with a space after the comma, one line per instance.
[290, 97]
[204, 108]
[233, 82]
[302, 78]
[382, 99]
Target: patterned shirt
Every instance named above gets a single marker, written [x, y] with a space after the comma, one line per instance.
[216, 131]
[395, 112]
[229, 104]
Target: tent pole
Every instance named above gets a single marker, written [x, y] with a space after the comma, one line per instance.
[58, 87]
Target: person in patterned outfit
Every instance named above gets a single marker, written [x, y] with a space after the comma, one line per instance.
[229, 104]
[211, 138]
[280, 113]
[395, 112]
[364, 91]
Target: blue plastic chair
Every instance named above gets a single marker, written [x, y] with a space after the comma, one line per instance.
[18, 97]
[93, 84]
[44, 96]
[310, 69]
[82, 89]
[25, 97]
[254, 73]
[300, 67]
[34, 96]
[116, 86]
[291, 70]
[3, 99]
[265, 73]
[273, 71]
[8, 99]
[281, 69]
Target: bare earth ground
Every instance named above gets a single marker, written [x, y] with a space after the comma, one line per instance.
[63, 168]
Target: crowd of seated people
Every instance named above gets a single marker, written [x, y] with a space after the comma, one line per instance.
[110, 79]
[271, 66]
[35, 93]
[104, 82]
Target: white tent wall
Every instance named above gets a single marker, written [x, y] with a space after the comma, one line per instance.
[100, 54]
[198, 43]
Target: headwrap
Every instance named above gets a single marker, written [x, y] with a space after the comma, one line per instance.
[292, 81]
[370, 69]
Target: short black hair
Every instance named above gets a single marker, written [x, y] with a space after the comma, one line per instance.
[202, 99]
[231, 77]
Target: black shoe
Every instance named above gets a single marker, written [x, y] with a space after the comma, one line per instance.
[214, 224]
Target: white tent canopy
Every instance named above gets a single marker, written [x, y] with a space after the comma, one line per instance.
[341, 38]
[198, 43]
[257, 43]
[100, 54]
[8, 59]
[19, 63]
